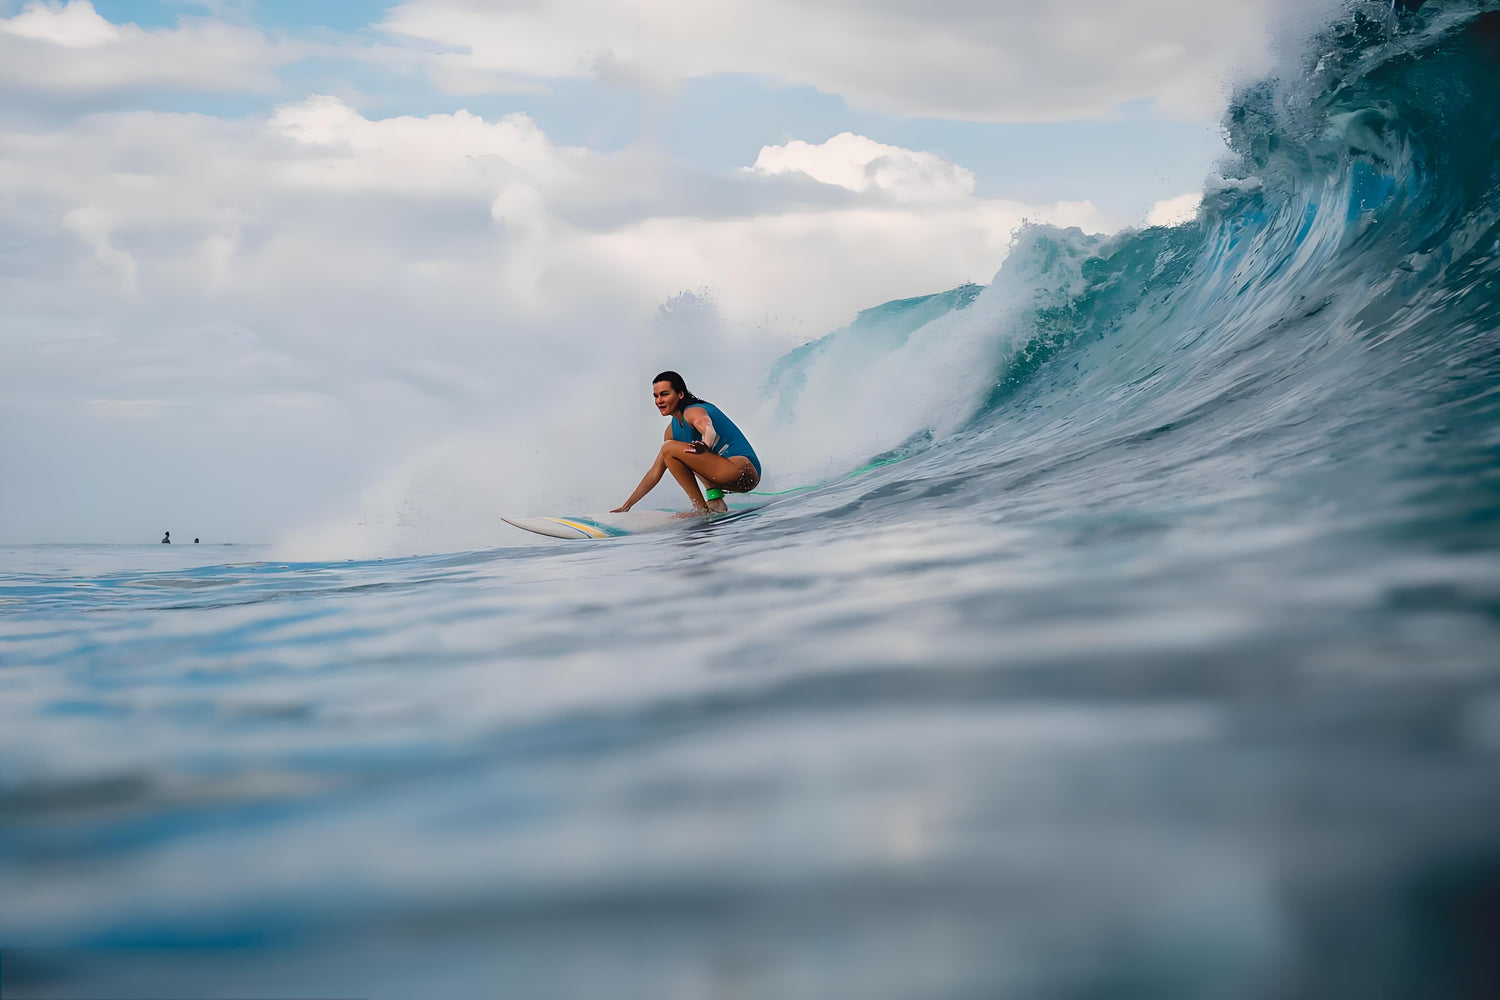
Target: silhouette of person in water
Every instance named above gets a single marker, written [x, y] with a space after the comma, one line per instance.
[195, 541]
[166, 539]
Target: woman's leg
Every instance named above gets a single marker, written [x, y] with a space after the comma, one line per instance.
[716, 502]
[686, 466]
[748, 478]
[684, 475]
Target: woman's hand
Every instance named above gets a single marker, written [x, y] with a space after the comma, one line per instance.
[620, 510]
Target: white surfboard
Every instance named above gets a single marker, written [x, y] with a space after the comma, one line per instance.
[632, 522]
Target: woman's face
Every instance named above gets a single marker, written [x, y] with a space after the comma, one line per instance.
[667, 399]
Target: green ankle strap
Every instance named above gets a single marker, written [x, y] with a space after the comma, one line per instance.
[714, 493]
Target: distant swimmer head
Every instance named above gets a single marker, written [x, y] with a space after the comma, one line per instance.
[670, 393]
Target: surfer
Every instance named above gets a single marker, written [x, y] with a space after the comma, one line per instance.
[699, 443]
[166, 539]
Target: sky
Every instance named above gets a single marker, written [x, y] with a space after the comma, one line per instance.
[291, 272]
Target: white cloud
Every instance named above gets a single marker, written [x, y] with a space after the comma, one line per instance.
[809, 261]
[72, 25]
[444, 156]
[947, 58]
[94, 226]
[860, 164]
[154, 198]
[69, 48]
[1175, 211]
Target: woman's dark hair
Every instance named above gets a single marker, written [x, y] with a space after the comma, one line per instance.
[678, 385]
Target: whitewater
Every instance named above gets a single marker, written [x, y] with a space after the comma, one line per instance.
[1136, 635]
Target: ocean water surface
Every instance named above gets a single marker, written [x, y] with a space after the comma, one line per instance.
[1164, 664]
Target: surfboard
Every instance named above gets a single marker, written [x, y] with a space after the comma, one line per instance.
[632, 522]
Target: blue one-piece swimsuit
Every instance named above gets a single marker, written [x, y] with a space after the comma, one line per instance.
[731, 441]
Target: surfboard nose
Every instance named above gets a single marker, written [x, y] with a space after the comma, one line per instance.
[557, 527]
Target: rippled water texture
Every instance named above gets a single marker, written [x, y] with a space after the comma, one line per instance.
[1170, 673]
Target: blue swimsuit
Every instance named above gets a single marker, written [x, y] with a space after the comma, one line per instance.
[731, 441]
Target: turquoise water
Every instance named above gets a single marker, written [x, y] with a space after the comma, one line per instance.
[1170, 671]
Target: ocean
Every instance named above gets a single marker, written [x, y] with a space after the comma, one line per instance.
[1163, 661]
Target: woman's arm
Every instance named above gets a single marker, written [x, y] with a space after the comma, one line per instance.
[648, 481]
[697, 417]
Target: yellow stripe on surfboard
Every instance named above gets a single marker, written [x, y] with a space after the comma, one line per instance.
[587, 529]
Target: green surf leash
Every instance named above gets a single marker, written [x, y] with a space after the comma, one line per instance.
[868, 467]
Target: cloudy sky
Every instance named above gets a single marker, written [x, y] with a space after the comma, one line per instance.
[270, 267]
